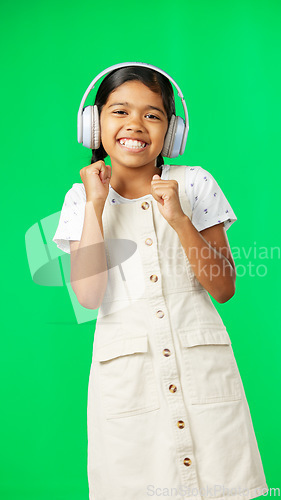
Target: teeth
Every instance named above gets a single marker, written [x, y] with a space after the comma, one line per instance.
[132, 144]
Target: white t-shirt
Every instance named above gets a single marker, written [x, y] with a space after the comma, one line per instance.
[208, 203]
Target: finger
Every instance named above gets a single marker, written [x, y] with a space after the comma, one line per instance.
[163, 192]
[106, 174]
[157, 197]
[103, 172]
[158, 181]
[108, 170]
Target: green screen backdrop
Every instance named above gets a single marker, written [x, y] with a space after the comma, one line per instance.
[226, 58]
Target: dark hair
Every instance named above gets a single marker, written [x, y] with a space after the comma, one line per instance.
[152, 79]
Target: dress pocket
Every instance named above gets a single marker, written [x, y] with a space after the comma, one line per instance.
[127, 379]
[211, 369]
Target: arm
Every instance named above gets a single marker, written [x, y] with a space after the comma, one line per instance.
[210, 257]
[88, 260]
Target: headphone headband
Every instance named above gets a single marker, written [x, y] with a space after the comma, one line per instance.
[122, 65]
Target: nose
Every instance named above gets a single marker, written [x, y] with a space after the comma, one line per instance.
[135, 124]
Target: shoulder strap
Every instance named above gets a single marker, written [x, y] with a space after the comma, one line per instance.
[177, 172]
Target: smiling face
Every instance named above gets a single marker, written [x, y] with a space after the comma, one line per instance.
[133, 125]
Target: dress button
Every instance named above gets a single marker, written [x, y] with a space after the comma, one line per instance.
[180, 424]
[145, 205]
[148, 241]
[154, 278]
[172, 388]
[187, 461]
[159, 314]
[166, 352]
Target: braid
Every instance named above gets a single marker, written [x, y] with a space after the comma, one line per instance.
[160, 161]
[98, 154]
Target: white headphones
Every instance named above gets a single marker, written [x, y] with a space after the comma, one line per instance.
[88, 127]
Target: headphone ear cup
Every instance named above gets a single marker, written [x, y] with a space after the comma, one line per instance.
[91, 127]
[178, 137]
[174, 137]
[167, 146]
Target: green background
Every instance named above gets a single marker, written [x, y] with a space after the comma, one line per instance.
[226, 58]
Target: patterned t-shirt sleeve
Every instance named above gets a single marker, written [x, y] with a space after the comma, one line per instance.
[208, 202]
[71, 218]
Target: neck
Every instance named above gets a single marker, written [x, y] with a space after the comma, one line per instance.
[133, 182]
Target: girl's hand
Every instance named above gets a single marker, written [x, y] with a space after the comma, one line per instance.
[96, 178]
[166, 195]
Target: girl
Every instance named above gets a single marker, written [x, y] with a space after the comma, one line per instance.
[167, 411]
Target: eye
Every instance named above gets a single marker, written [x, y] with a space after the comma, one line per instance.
[153, 116]
[118, 111]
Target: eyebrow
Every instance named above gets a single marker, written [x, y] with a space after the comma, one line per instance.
[127, 104]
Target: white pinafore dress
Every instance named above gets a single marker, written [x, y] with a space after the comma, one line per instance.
[167, 412]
